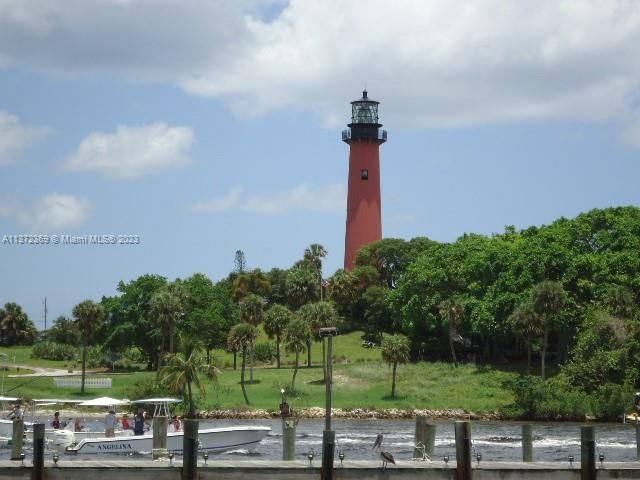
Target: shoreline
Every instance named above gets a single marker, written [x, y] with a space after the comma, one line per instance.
[353, 413]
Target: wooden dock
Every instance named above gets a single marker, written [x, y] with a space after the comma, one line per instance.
[135, 469]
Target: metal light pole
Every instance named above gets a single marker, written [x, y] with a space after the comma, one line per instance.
[328, 436]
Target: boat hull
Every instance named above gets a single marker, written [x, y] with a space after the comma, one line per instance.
[211, 440]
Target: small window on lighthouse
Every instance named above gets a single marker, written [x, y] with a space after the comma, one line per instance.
[364, 174]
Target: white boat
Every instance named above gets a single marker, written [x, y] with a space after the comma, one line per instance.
[209, 439]
[212, 440]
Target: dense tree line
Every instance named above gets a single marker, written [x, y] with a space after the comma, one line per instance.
[562, 299]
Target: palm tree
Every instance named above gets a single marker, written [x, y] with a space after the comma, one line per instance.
[526, 324]
[395, 350]
[275, 322]
[452, 310]
[297, 336]
[241, 338]
[15, 326]
[548, 299]
[314, 255]
[252, 312]
[183, 370]
[319, 315]
[89, 317]
[167, 305]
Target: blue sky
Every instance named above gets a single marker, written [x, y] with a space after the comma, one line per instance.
[205, 127]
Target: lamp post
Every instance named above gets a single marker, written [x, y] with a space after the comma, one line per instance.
[328, 436]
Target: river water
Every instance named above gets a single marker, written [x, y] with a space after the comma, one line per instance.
[496, 441]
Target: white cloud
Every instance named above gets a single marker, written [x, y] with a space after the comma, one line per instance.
[432, 64]
[328, 199]
[134, 152]
[51, 212]
[15, 137]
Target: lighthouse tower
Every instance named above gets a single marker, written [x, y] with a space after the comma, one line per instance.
[364, 218]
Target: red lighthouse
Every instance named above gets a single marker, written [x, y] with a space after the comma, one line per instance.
[364, 218]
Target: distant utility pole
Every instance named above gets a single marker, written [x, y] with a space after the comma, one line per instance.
[45, 313]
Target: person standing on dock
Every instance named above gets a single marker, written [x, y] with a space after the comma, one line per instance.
[110, 421]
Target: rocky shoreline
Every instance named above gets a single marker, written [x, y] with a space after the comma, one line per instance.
[355, 413]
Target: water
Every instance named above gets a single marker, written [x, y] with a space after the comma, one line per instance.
[496, 441]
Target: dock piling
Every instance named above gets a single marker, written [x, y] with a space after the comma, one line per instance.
[38, 451]
[587, 453]
[190, 449]
[17, 433]
[425, 438]
[527, 443]
[463, 450]
[159, 449]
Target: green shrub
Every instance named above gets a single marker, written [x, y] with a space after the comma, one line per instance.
[265, 352]
[551, 399]
[610, 401]
[53, 351]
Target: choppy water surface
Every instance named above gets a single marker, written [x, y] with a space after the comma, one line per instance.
[496, 441]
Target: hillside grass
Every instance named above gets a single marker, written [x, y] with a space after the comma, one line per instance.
[361, 380]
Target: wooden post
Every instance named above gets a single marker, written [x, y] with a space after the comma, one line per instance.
[289, 438]
[425, 438]
[190, 449]
[38, 451]
[527, 443]
[463, 450]
[17, 433]
[328, 447]
[637, 440]
[159, 449]
[587, 453]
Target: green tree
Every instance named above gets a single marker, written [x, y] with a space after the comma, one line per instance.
[297, 336]
[64, 330]
[276, 320]
[395, 350]
[129, 319]
[526, 325]
[167, 307]
[547, 298]
[343, 290]
[252, 312]
[319, 315]
[209, 311]
[302, 286]
[15, 326]
[184, 370]
[242, 337]
[452, 311]
[313, 255]
[89, 317]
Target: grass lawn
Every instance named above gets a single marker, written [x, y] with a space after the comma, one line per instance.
[361, 380]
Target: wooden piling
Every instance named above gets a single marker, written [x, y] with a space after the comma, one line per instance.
[17, 433]
[463, 450]
[587, 453]
[38, 452]
[328, 448]
[527, 443]
[190, 449]
[637, 440]
[289, 438]
[425, 438]
[159, 449]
